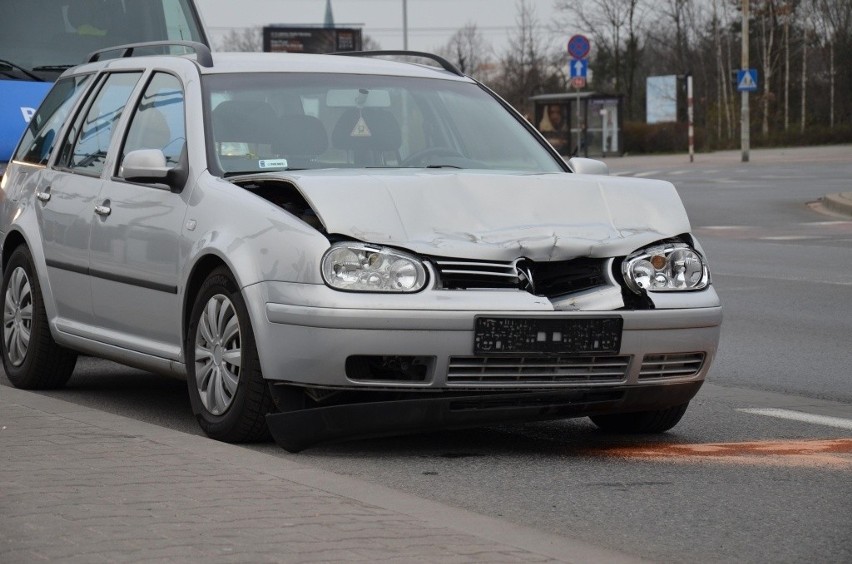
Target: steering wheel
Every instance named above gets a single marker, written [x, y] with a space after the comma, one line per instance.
[419, 158]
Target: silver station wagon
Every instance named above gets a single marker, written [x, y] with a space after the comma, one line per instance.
[331, 247]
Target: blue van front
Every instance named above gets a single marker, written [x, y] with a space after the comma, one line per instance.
[18, 102]
[39, 39]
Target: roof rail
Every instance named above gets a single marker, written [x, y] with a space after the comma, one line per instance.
[202, 51]
[445, 64]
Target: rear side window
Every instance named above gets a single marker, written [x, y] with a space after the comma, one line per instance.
[40, 137]
[158, 122]
[94, 132]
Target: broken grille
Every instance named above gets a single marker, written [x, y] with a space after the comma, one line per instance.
[549, 278]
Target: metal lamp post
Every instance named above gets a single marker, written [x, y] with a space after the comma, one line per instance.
[744, 116]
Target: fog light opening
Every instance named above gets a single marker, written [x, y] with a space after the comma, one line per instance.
[395, 368]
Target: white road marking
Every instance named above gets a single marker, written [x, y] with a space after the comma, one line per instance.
[837, 422]
[797, 279]
[723, 227]
[677, 172]
[647, 173]
[791, 237]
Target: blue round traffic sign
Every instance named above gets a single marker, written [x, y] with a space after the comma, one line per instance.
[579, 46]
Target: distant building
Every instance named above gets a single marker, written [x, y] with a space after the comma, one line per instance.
[318, 38]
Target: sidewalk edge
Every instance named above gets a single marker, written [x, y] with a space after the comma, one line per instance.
[431, 512]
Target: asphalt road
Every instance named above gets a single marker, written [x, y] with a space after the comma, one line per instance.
[730, 482]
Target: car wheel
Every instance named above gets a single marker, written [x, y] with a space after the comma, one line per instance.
[658, 421]
[226, 388]
[31, 358]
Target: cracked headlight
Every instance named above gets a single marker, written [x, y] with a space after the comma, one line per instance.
[666, 268]
[364, 268]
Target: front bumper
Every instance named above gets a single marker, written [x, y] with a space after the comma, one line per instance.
[306, 333]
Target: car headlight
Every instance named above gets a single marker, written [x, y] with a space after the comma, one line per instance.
[670, 267]
[358, 267]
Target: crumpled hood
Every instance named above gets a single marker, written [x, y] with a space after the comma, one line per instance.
[494, 216]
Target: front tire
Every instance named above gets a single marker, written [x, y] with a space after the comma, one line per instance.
[641, 422]
[31, 358]
[226, 388]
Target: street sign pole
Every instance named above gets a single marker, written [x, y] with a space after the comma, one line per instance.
[578, 49]
[579, 129]
[744, 115]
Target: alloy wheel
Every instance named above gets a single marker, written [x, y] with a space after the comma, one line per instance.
[218, 355]
[17, 316]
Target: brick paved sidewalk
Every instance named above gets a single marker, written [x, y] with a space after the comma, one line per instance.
[81, 485]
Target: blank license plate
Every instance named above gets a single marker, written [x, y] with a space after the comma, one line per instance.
[554, 336]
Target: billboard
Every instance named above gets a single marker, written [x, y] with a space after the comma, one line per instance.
[661, 98]
[306, 39]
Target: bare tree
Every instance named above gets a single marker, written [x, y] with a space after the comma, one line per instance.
[248, 39]
[832, 19]
[525, 68]
[805, 40]
[676, 12]
[469, 50]
[767, 12]
[786, 11]
[369, 44]
[723, 84]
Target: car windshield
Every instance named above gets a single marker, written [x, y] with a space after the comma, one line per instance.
[49, 35]
[279, 121]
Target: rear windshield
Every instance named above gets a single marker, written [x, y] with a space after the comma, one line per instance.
[35, 34]
[259, 122]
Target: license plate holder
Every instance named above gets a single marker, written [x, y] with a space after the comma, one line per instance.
[587, 335]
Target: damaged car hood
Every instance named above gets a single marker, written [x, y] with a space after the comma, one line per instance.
[493, 216]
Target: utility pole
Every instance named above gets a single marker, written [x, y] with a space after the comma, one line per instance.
[405, 25]
[744, 117]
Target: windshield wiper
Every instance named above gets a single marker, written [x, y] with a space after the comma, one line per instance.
[53, 68]
[444, 166]
[22, 70]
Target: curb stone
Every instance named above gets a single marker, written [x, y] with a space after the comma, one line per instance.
[839, 203]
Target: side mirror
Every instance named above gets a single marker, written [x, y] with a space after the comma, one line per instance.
[144, 165]
[149, 166]
[587, 166]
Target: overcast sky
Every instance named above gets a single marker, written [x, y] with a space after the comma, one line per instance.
[430, 22]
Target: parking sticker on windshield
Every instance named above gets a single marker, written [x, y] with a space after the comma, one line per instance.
[272, 163]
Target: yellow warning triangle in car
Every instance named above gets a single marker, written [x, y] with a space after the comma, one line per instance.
[361, 129]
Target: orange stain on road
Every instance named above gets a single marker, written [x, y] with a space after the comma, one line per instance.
[831, 453]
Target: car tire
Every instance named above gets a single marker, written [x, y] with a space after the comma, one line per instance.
[641, 422]
[229, 396]
[31, 358]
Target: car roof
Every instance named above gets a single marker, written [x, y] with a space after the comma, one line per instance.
[226, 63]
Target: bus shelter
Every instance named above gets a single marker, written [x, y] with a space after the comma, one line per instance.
[585, 124]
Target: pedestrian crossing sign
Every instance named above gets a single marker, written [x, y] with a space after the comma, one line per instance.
[747, 80]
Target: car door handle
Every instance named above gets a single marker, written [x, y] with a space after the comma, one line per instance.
[43, 196]
[103, 210]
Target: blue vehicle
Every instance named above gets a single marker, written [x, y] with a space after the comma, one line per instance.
[39, 39]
